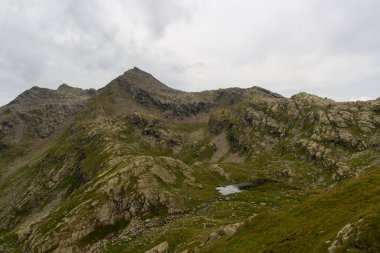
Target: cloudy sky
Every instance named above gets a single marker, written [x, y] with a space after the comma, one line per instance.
[326, 47]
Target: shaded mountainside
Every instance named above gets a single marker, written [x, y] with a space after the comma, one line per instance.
[134, 167]
[37, 114]
[137, 90]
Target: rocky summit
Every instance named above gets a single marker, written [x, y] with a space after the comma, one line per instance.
[135, 167]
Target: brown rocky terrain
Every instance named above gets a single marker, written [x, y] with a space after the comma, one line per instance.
[134, 166]
[38, 113]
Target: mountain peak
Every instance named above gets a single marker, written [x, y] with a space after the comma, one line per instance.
[137, 71]
[148, 153]
[64, 86]
[138, 78]
[310, 98]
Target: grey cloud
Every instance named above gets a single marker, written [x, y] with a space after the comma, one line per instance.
[330, 48]
[160, 14]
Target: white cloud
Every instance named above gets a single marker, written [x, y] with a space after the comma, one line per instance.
[360, 99]
[327, 47]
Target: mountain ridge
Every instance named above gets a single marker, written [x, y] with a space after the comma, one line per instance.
[137, 71]
[134, 167]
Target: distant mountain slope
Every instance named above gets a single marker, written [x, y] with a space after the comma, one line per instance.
[37, 114]
[134, 167]
[138, 90]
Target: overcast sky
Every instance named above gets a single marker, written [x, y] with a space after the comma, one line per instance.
[326, 47]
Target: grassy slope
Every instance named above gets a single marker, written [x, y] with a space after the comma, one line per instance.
[307, 227]
[302, 229]
[189, 228]
[188, 231]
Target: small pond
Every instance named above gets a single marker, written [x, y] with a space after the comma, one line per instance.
[233, 188]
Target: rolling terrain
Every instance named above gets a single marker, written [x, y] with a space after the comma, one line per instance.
[134, 166]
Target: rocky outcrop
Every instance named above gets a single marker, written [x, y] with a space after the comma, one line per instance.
[320, 129]
[160, 248]
[344, 234]
[133, 188]
[155, 130]
[223, 231]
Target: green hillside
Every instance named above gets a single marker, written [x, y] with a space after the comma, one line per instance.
[134, 167]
